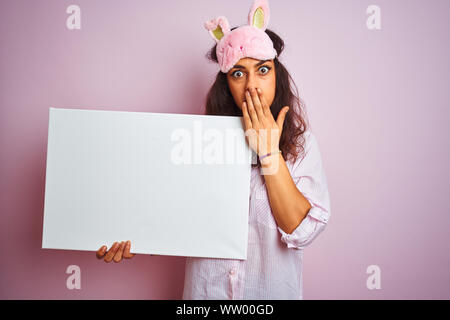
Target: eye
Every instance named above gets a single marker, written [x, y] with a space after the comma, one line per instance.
[235, 73]
[265, 68]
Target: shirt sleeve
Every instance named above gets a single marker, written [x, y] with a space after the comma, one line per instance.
[309, 177]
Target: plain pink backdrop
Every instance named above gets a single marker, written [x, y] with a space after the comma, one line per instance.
[377, 100]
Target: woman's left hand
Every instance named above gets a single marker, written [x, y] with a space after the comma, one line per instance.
[266, 133]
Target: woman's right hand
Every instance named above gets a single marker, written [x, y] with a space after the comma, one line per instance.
[116, 252]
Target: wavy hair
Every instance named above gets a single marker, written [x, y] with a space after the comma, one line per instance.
[219, 101]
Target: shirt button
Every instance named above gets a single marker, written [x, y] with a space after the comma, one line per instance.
[232, 271]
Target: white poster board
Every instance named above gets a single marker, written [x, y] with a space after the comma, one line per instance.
[115, 176]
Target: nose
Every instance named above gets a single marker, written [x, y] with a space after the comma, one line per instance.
[251, 82]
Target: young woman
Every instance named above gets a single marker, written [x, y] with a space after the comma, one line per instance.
[289, 199]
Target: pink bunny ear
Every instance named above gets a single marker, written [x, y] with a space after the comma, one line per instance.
[218, 27]
[259, 14]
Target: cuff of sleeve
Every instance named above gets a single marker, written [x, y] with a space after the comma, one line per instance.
[306, 231]
[318, 212]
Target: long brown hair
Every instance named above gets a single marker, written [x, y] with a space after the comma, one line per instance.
[219, 101]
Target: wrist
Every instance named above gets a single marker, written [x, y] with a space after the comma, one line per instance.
[268, 154]
[267, 160]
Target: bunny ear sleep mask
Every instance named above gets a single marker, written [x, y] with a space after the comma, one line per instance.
[245, 41]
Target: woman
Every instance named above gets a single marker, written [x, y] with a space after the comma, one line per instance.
[289, 199]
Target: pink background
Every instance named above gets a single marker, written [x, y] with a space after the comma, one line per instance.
[376, 100]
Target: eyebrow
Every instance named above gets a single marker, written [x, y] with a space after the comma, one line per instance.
[256, 65]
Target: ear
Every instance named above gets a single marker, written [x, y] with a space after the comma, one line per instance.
[259, 14]
[217, 27]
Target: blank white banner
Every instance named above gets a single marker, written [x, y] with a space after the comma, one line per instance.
[173, 184]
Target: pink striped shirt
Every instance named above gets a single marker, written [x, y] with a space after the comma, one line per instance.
[273, 268]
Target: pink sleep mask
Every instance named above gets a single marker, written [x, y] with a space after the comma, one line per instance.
[245, 41]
